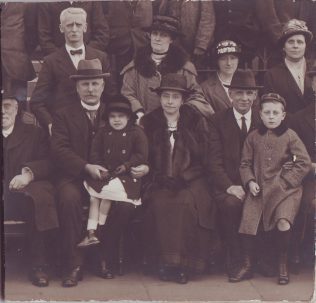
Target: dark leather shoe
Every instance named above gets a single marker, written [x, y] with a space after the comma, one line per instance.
[71, 278]
[39, 276]
[243, 273]
[182, 278]
[105, 272]
[164, 274]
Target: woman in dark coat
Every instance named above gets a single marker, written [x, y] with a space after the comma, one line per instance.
[179, 214]
[154, 61]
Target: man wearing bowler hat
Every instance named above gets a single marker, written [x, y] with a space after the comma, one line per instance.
[229, 129]
[72, 133]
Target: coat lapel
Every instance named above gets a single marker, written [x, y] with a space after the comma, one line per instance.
[292, 82]
[234, 131]
[17, 136]
[221, 93]
[65, 62]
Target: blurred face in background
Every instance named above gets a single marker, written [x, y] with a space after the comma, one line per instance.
[227, 64]
[160, 41]
[9, 112]
[294, 47]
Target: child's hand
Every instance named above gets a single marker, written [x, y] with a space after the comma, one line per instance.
[254, 188]
[120, 170]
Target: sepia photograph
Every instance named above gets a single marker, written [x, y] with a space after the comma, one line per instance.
[158, 150]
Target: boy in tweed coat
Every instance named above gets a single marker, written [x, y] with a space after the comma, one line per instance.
[274, 193]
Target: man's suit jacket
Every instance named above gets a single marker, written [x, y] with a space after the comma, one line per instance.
[279, 80]
[71, 140]
[50, 37]
[215, 93]
[54, 90]
[226, 148]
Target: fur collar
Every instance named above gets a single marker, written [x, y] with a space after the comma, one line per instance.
[172, 63]
[280, 130]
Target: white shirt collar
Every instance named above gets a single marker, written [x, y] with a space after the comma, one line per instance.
[239, 115]
[7, 132]
[90, 107]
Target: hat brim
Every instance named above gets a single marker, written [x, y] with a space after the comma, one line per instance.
[158, 90]
[242, 87]
[86, 77]
[163, 29]
[308, 36]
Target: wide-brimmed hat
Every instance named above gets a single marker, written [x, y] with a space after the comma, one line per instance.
[243, 79]
[227, 47]
[89, 69]
[311, 72]
[118, 103]
[272, 97]
[295, 27]
[167, 24]
[175, 82]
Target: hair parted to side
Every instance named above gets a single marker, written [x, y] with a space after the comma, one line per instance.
[72, 11]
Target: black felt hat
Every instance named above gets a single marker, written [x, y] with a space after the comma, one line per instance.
[89, 69]
[243, 79]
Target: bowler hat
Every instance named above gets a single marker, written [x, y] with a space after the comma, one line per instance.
[118, 103]
[173, 81]
[243, 79]
[167, 24]
[227, 47]
[272, 97]
[89, 69]
[295, 27]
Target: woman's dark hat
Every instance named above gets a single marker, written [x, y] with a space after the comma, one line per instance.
[118, 103]
[174, 82]
[227, 47]
[167, 24]
[272, 97]
[295, 27]
[243, 79]
[89, 69]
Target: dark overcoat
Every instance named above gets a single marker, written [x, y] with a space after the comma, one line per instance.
[279, 80]
[54, 90]
[18, 29]
[188, 163]
[129, 146]
[50, 37]
[226, 147]
[72, 135]
[215, 93]
[264, 154]
[27, 146]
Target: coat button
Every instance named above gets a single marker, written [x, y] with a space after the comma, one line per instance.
[110, 133]
[123, 151]
[135, 180]
[108, 151]
[123, 181]
[124, 134]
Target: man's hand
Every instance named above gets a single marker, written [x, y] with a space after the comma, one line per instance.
[139, 171]
[50, 128]
[139, 116]
[95, 171]
[237, 191]
[254, 188]
[20, 181]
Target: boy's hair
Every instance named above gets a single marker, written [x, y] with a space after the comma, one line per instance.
[273, 98]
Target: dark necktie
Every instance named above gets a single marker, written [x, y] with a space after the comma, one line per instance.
[92, 116]
[243, 128]
[76, 52]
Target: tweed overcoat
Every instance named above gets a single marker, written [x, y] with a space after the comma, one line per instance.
[215, 93]
[142, 75]
[28, 147]
[54, 90]
[50, 37]
[226, 147]
[129, 146]
[264, 154]
[189, 160]
[279, 80]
